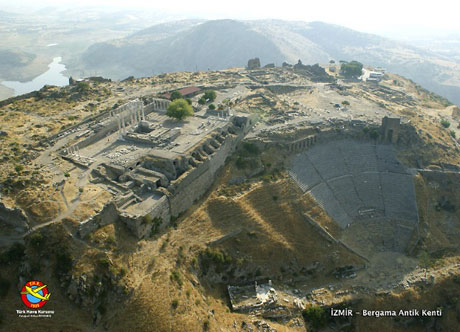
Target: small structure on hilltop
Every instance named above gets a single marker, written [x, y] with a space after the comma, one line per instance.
[390, 129]
[254, 63]
[315, 72]
[186, 92]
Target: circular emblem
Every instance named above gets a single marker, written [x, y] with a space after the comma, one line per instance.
[34, 294]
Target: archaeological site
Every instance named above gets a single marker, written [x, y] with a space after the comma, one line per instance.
[288, 192]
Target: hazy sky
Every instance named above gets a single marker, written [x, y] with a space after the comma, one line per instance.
[384, 16]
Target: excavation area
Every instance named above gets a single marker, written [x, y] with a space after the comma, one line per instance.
[367, 192]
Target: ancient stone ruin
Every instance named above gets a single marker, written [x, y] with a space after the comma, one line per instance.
[154, 166]
[253, 63]
[390, 128]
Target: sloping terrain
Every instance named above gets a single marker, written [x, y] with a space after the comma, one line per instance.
[210, 45]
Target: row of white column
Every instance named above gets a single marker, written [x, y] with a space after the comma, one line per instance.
[73, 150]
[130, 117]
[159, 104]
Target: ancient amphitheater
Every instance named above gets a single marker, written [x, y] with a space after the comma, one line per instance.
[362, 186]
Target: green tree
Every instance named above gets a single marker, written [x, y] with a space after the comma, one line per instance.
[83, 86]
[210, 95]
[351, 69]
[179, 109]
[374, 134]
[316, 316]
[212, 107]
[202, 100]
[445, 123]
[175, 95]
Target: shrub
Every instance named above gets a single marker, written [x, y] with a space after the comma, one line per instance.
[212, 107]
[202, 101]
[179, 109]
[425, 260]
[111, 240]
[316, 316]
[83, 86]
[351, 69]
[36, 240]
[103, 262]
[452, 133]
[175, 95]
[456, 279]
[345, 102]
[189, 101]
[219, 259]
[67, 175]
[210, 95]
[156, 223]
[175, 276]
[19, 168]
[445, 123]
[175, 303]
[374, 134]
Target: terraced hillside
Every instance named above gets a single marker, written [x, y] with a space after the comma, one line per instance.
[361, 184]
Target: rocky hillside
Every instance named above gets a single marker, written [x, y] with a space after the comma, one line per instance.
[195, 45]
[211, 45]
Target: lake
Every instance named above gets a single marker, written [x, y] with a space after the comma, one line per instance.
[53, 76]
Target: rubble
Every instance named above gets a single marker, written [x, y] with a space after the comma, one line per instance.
[254, 297]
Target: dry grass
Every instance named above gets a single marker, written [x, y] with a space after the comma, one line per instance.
[444, 294]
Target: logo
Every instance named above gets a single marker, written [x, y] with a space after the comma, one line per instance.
[34, 294]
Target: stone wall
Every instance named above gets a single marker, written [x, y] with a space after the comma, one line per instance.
[138, 224]
[182, 192]
[108, 215]
[197, 182]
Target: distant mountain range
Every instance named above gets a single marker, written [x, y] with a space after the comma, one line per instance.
[201, 45]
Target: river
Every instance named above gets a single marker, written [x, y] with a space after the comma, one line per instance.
[53, 76]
